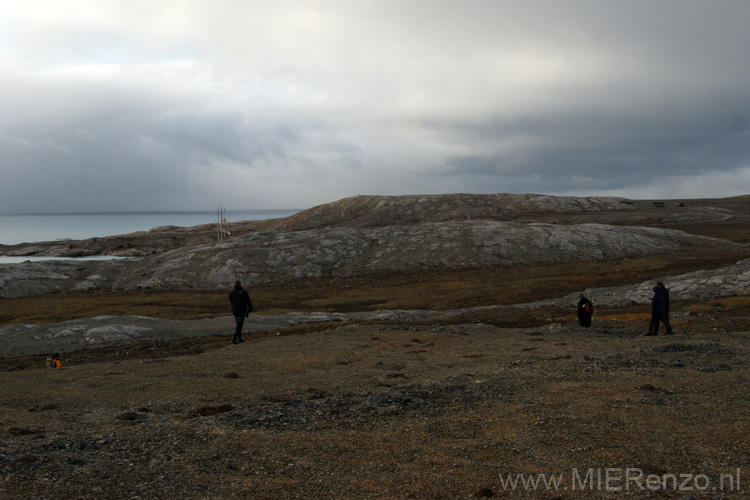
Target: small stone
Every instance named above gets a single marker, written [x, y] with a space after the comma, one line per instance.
[128, 416]
[484, 493]
[207, 411]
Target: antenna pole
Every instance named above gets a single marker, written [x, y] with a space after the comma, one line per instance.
[222, 222]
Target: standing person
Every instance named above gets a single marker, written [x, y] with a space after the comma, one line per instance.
[658, 309]
[241, 309]
[665, 317]
[585, 310]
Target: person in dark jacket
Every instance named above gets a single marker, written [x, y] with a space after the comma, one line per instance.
[242, 306]
[585, 310]
[658, 312]
[665, 317]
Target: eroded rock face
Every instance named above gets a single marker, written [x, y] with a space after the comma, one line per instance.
[37, 278]
[281, 256]
[729, 281]
[277, 256]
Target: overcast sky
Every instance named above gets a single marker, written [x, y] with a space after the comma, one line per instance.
[183, 105]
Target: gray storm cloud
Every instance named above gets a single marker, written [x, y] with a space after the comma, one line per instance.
[143, 106]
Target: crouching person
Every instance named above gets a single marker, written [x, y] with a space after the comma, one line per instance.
[585, 311]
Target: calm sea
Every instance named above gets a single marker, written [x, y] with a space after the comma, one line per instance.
[16, 229]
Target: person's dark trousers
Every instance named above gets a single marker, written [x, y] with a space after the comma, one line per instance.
[664, 318]
[653, 326]
[239, 320]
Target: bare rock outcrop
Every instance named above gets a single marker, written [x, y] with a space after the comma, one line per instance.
[706, 284]
[282, 256]
[106, 331]
[279, 256]
[38, 278]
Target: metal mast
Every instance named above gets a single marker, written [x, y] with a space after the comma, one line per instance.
[222, 223]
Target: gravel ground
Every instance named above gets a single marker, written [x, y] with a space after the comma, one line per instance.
[392, 411]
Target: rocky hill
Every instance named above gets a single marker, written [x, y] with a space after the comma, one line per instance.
[380, 211]
[279, 256]
[381, 234]
[283, 256]
[384, 211]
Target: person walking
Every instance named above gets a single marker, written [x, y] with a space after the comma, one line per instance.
[242, 306]
[658, 310]
[665, 318]
[585, 310]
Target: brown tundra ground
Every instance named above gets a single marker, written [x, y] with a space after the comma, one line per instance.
[424, 410]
